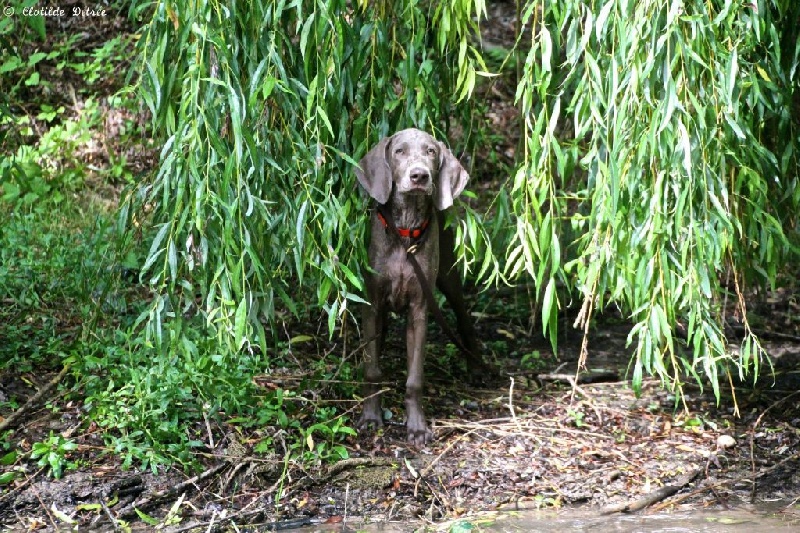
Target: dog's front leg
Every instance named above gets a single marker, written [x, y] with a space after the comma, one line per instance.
[416, 333]
[374, 319]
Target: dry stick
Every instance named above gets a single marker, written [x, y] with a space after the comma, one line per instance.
[46, 509]
[425, 471]
[149, 500]
[208, 427]
[752, 441]
[210, 527]
[28, 480]
[511, 403]
[33, 400]
[346, 497]
[792, 503]
[114, 522]
[358, 403]
[585, 314]
[653, 497]
[345, 354]
[725, 482]
[499, 424]
[768, 334]
[355, 462]
[221, 521]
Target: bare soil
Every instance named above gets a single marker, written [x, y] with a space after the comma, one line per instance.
[528, 440]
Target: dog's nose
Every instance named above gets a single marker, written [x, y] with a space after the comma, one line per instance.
[419, 176]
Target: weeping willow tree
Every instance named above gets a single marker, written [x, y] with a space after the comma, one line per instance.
[658, 170]
[664, 133]
[263, 107]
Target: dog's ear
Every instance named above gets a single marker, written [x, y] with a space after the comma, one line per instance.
[452, 179]
[374, 174]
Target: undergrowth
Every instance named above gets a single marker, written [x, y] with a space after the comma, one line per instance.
[71, 292]
[67, 301]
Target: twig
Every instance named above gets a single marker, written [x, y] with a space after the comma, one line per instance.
[33, 400]
[211, 445]
[592, 378]
[114, 522]
[22, 485]
[346, 497]
[653, 497]
[495, 427]
[46, 509]
[741, 330]
[585, 315]
[427, 469]
[210, 527]
[166, 493]
[511, 403]
[753, 436]
[221, 521]
[725, 482]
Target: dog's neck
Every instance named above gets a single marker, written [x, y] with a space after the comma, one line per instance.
[410, 210]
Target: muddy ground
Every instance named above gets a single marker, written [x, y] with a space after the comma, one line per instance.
[528, 440]
[531, 437]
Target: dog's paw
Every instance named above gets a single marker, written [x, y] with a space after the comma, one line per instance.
[419, 436]
[370, 421]
[418, 432]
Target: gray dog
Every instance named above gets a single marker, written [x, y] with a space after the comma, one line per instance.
[413, 177]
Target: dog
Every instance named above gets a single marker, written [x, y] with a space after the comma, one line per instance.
[413, 178]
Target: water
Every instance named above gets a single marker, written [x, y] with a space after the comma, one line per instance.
[722, 521]
[738, 520]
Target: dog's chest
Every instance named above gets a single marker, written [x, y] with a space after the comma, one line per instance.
[399, 283]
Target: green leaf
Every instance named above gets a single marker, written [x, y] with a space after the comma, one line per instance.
[9, 458]
[33, 79]
[305, 32]
[600, 25]
[734, 126]
[300, 225]
[147, 519]
[733, 71]
[549, 305]
[12, 63]
[93, 507]
[35, 58]
[37, 23]
[240, 323]
[546, 43]
[324, 116]
[352, 278]
[172, 260]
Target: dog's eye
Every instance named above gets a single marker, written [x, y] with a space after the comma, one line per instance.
[431, 151]
[398, 151]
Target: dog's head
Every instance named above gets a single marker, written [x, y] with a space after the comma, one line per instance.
[414, 163]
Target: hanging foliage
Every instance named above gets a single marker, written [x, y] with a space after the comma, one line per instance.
[663, 134]
[264, 107]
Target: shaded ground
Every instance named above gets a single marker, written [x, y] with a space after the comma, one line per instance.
[528, 441]
[530, 438]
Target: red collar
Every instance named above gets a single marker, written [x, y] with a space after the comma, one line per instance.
[414, 233]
